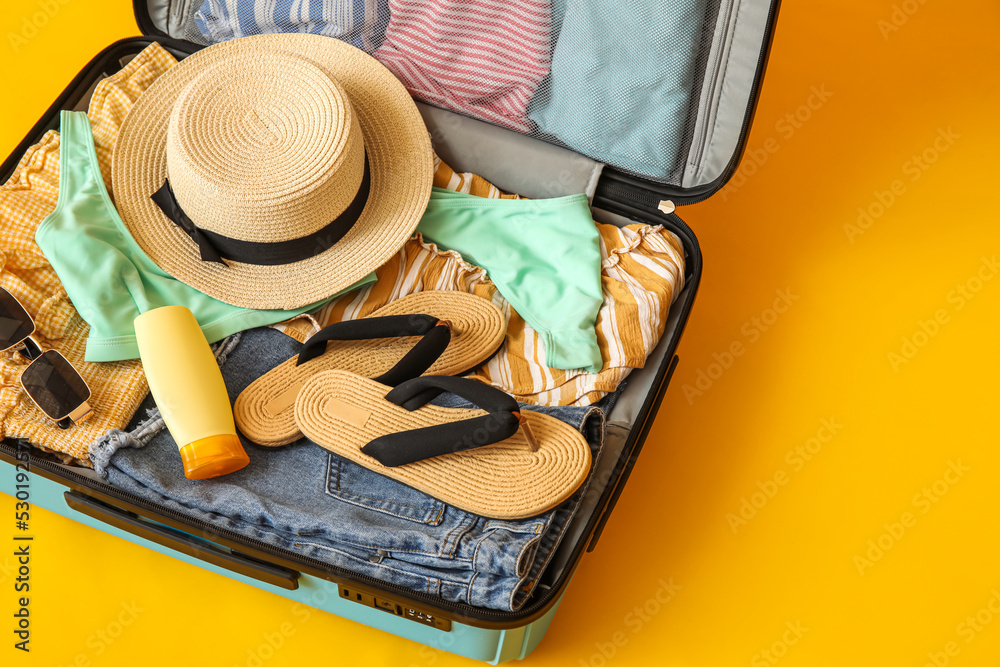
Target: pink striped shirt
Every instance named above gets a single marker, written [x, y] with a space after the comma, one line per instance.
[481, 58]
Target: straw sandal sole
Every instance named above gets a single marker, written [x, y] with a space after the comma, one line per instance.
[264, 410]
[342, 412]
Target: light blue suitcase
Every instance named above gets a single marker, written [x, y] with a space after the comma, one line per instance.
[729, 64]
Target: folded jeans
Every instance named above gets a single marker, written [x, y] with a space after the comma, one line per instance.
[305, 499]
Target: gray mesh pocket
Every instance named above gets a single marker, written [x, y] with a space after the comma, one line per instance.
[614, 81]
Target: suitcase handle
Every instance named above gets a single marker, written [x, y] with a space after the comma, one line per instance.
[184, 543]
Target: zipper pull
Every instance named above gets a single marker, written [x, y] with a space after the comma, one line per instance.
[667, 207]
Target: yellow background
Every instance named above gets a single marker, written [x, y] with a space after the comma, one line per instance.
[898, 429]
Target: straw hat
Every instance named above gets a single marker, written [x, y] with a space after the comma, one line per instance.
[290, 166]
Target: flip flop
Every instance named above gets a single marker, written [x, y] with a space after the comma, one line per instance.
[497, 462]
[459, 332]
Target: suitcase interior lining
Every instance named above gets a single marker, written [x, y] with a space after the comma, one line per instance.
[510, 160]
[723, 80]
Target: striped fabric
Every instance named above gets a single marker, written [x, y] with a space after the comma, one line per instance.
[481, 58]
[25, 200]
[358, 22]
[471, 184]
[641, 273]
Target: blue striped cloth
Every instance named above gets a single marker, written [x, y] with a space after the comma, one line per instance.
[358, 22]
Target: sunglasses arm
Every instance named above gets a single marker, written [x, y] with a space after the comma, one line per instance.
[81, 413]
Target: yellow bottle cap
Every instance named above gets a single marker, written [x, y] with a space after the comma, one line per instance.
[213, 456]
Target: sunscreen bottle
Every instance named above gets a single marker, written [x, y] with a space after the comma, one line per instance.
[187, 385]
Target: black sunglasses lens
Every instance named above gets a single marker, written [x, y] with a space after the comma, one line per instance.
[54, 385]
[15, 323]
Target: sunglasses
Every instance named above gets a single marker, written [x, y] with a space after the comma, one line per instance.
[49, 380]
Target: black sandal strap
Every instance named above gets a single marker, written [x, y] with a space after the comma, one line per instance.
[389, 326]
[420, 357]
[429, 387]
[398, 449]
[436, 337]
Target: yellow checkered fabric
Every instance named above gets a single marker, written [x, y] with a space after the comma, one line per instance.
[25, 200]
[641, 274]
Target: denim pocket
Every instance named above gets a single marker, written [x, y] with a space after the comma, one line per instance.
[509, 547]
[359, 486]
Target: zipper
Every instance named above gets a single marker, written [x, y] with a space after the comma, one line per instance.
[620, 182]
[618, 191]
[715, 86]
[758, 81]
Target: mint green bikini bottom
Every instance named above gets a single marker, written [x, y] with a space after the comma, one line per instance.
[544, 256]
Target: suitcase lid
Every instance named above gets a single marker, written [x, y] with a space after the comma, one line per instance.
[570, 72]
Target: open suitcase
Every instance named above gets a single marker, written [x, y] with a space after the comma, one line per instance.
[690, 154]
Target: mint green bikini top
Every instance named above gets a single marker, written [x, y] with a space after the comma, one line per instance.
[107, 276]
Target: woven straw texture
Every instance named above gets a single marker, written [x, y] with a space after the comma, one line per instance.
[477, 331]
[505, 480]
[264, 146]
